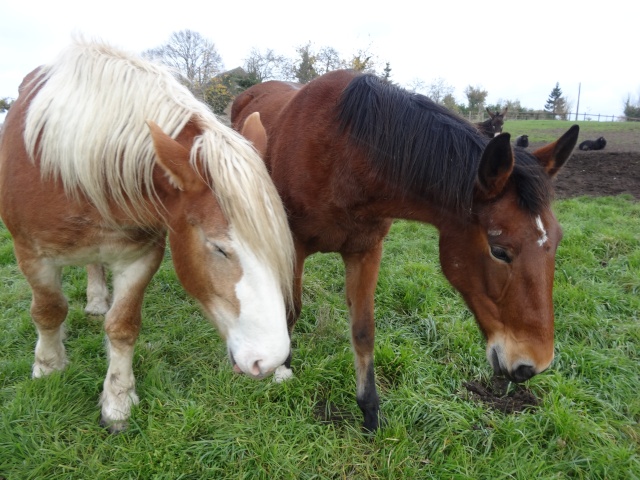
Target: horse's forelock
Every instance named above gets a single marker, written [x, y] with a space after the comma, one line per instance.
[533, 185]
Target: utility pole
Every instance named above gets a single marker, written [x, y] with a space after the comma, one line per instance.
[578, 104]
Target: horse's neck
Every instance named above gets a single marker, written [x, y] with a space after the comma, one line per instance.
[392, 203]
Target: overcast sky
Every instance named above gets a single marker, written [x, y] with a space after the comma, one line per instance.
[513, 49]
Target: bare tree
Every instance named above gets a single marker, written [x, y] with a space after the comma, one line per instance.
[327, 60]
[266, 66]
[438, 89]
[417, 86]
[193, 57]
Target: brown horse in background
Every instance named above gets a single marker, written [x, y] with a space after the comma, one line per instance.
[349, 153]
[89, 176]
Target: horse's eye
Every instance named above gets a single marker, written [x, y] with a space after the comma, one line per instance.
[217, 249]
[500, 253]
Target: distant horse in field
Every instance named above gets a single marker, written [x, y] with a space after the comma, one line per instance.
[102, 154]
[493, 125]
[349, 153]
[522, 141]
[598, 144]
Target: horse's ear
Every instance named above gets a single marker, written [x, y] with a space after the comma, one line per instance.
[172, 157]
[553, 156]
[495, 167]
[489, 112]
[504, 112]
[253, 130]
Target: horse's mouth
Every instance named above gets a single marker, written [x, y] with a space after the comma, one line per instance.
[238, 370]
[234, 365]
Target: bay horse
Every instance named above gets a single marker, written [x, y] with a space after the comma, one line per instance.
[350, 152]
[102, 155]
[494, 124]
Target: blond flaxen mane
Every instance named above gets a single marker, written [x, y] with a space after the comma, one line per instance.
[87, 127]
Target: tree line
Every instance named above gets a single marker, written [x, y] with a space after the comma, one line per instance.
[199, 66]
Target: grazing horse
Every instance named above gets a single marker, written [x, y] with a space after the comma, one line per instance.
[102, 154]
[493, 125]
[349, 153]
[522, 141]
[598, 144]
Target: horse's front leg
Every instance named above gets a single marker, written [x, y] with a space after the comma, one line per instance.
[361, 279]
[122, 326]
[48, 311]
[284, 372]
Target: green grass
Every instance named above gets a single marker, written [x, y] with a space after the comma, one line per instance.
[549, 130]
[196, 419]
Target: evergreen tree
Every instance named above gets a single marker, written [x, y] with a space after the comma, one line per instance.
[5, 104]
[556, 103]
[632, 110]
[387, 72]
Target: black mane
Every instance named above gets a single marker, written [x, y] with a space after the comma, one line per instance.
[424, 148]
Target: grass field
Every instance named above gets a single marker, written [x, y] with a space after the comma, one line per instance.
[197, 419]
[549, 130]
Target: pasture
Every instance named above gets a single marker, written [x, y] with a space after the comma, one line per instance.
[197, 419]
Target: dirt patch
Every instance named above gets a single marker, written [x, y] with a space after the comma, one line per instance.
[600, 173]
[502, 395]
[327, 412]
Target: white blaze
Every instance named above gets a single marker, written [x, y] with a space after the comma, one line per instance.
[259, 336]
[543, 233]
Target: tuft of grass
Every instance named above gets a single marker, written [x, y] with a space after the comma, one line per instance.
[196, 419]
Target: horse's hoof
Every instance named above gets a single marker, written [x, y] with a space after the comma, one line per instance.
[373, 424]
[96, 308]
[114, 427]
[282, 374]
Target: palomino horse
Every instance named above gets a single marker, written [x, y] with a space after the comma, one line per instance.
[493, 125]
[89, 176]
[349, 153]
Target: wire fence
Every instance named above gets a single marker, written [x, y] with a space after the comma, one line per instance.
[596, 117]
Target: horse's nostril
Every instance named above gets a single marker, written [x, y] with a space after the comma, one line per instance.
[256, 369]
[522, 373]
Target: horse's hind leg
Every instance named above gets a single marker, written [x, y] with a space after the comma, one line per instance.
[122, 326]
[97, 291]
[362, 277]
[48, 310]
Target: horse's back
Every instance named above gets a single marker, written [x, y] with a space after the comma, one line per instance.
[43, 219]
[313, 164]
[17, 172]
[268, 98]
